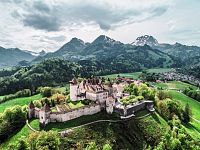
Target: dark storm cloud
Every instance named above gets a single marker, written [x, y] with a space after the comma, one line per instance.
[41, 6]
[52, 16]
[43, 22]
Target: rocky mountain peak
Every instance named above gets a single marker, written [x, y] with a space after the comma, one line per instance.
[104, 39]
[145, 39]
[76, 41]
[42, 53]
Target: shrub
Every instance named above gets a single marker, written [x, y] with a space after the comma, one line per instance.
[168, 108]
[46, 91]
[163, 95]
[11, 120]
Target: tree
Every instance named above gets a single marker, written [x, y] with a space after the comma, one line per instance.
[91, 146]
[11, 121]
[176, 138]
[187, 113]
[44, 140]
[46, 92]
[107, 147]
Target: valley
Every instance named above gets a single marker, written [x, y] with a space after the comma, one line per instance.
[142, 133]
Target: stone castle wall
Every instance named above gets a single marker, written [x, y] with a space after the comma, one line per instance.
[75, 113]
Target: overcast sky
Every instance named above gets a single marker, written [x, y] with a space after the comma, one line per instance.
[47, 24]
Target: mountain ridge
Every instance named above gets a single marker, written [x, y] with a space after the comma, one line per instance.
[104, 47]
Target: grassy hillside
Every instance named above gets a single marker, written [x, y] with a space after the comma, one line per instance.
[19, 101]
[194, 126]
[173, 86]
[176, 85]
[122, 135]
[24, 132]
[135, 75]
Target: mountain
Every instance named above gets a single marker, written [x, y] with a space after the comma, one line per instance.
[106, 49]
[69, 51]
[35, 53]
[146, 39]
[11, 56]
[102, 47]
[184, 52]
[42, 53]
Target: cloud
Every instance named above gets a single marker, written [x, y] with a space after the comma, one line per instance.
[55, 15]
[60, 38]
[43, 22]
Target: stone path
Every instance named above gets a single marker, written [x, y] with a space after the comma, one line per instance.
[34, 130]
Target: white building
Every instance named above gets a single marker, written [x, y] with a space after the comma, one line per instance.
[91, 89]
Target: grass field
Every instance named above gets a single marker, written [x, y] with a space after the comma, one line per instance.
[160, 120]
[2, 97]
[174, 85]
[24, 132]
[135, 75]
[19, 101]
[183, 99]
[194, 127]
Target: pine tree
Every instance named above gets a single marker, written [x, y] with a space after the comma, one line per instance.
[187, 114]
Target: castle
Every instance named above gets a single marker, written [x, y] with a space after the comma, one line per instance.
[105, 97]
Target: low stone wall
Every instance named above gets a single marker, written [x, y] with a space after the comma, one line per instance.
[131, 109]
[74, 113]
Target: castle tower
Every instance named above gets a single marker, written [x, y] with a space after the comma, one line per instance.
[73, 89]
[31, 110]
[44, 115]
[110, 102]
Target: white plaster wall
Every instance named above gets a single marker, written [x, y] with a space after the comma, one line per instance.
[73, 92]
[102, 97]
[91, 96]
[55, 117]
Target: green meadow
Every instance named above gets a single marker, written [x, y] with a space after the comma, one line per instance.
[19, 101]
